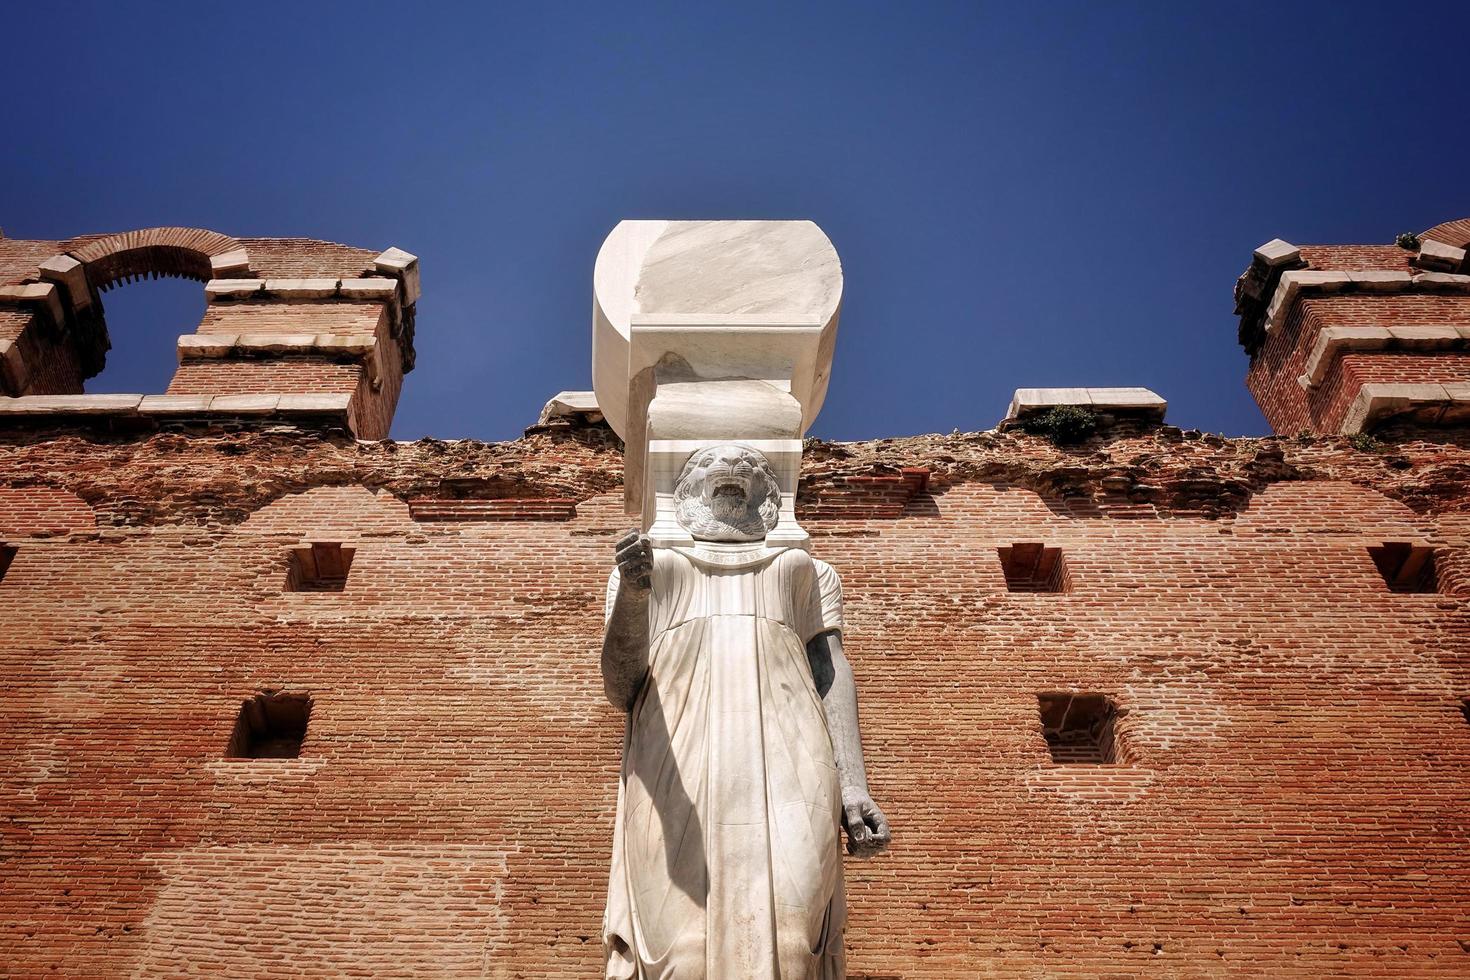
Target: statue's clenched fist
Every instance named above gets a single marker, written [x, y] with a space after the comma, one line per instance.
[866, 826]
[635, 560]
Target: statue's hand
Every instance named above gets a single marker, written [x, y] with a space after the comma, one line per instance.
[867, 828]
[635, 560]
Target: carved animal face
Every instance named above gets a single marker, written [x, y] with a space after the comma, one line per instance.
[727, 493]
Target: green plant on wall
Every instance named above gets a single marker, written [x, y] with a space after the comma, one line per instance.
[1062, 424]
[1365, 443]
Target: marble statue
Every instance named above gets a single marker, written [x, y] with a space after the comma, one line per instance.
[742, 761]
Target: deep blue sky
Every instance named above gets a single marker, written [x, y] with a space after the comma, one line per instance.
[1022, 194]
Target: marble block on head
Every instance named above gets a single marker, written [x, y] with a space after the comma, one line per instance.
[690, 312]
[775, 286]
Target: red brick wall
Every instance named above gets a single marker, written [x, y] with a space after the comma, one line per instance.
[1272, 378]
[50, 364]
[57, 361]
[373, 405]
[303, 317]
[1294, 803]
[312, 375]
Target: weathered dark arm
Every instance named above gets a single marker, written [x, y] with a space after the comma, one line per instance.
[625, 642]
[867, 828]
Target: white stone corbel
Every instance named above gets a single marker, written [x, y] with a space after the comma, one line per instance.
[403, 266]
[71, 274]
[229, 264]
[42, 294]
[1278, 252]
[1440, 256]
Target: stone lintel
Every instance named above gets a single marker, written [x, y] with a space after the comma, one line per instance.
[1136, 402]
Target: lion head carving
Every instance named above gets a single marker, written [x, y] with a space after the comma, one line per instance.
[727, 493]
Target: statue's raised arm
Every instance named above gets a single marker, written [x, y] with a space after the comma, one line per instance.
[625, 641]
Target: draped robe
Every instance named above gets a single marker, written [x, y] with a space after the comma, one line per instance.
[726, 863]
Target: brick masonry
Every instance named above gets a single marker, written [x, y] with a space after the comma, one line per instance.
[257, 289]
[1290, 796]
[1293, 800]
[1387, 286]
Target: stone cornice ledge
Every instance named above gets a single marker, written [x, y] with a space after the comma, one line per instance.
[59, 407]
[1334, 341]
[396, 285]
[1296, 282]
[1429, 404]
[211, 346]
[377, 289]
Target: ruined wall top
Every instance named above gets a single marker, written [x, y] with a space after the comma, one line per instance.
[312, 306]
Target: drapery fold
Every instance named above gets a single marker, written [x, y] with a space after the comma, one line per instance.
[726, 862]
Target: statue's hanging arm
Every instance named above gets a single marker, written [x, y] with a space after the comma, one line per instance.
[866, 826]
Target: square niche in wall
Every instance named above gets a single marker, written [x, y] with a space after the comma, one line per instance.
[271, 725]
[1033, 567]
[321, 566]
[1080, 729]
[7, 555]
[1405, 567]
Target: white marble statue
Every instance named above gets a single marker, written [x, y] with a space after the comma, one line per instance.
[742, 757]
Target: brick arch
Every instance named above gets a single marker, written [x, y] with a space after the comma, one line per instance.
[152, 252]
[1456, 233]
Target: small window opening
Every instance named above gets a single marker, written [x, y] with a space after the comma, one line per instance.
[1033, 568]
[319, 567]
[1080, 729]
[7, 555]
[271, 726]
[1405, 567]
[1465, 709]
